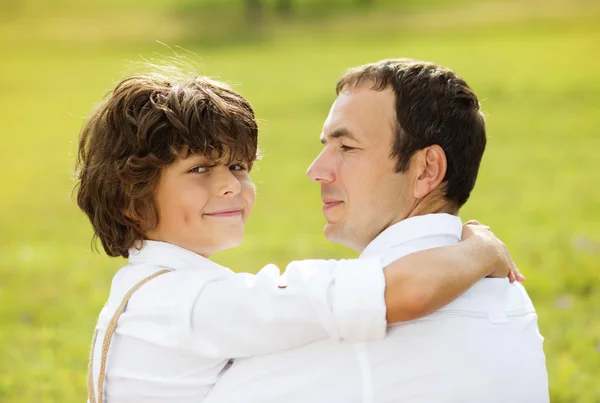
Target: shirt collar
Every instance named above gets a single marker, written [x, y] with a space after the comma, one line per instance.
[170, 256]
[414, 228]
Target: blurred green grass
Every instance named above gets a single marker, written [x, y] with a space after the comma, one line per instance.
[533, 64]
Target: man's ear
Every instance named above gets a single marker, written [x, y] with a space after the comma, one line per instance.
[432, 165]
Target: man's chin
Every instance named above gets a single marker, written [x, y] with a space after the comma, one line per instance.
[332, 232]
[339, 234]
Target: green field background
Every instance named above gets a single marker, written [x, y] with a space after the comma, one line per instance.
[534, 64]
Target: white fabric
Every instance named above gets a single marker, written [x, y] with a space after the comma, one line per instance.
[180, 330]
[483, 347]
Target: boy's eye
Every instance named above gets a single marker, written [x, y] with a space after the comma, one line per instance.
[199, 169]
[237, 167]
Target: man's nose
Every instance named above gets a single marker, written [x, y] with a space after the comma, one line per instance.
[227, 183]
[321, 170]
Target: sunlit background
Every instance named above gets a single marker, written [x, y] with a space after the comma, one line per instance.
[534, 65]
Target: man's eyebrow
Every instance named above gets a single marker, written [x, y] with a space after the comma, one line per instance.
[337, 134]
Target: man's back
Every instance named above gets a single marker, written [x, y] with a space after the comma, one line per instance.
[463, 353]
[454, 355]
[483, 347]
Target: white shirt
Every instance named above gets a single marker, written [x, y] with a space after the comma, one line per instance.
[484, 347]
[180, 330]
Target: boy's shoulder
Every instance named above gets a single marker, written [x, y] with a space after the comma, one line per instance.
[163, 289]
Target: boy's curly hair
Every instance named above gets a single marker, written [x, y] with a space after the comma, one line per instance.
[144, 124]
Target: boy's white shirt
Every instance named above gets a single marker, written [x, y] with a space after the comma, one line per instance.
[180, 330]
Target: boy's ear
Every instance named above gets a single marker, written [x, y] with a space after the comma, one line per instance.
[131, 214]
[143, 221]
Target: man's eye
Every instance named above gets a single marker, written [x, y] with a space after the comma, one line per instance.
[237, 167]
[199, 169]
[346, 148]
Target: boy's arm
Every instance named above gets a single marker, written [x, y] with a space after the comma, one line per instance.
[246, 315]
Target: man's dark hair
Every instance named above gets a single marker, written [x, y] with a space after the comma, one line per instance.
[433, 106]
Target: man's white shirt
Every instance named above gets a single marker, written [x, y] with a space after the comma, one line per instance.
[483, 347]
[180, 330]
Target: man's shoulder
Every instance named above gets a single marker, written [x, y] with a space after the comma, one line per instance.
[490, 296]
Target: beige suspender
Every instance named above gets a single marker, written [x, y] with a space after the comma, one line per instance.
[112, 325]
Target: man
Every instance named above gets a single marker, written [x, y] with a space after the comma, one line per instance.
[402, 147]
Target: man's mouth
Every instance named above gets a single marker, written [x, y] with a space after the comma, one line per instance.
[330, 203]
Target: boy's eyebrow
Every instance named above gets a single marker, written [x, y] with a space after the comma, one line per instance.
[338, 133]
[198, 159]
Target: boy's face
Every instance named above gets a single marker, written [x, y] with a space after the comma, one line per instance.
[202, 206]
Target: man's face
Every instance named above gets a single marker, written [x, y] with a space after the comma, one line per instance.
[361, 192]
[202, 206]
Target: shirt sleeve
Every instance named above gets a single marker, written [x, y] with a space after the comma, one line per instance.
[244, 315]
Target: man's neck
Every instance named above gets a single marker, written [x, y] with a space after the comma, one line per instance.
[427, 205]
[432, 205]
[416, 233]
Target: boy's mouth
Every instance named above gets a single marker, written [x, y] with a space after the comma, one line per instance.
[230, 212]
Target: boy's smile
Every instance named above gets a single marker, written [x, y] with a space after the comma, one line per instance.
[202, 206]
